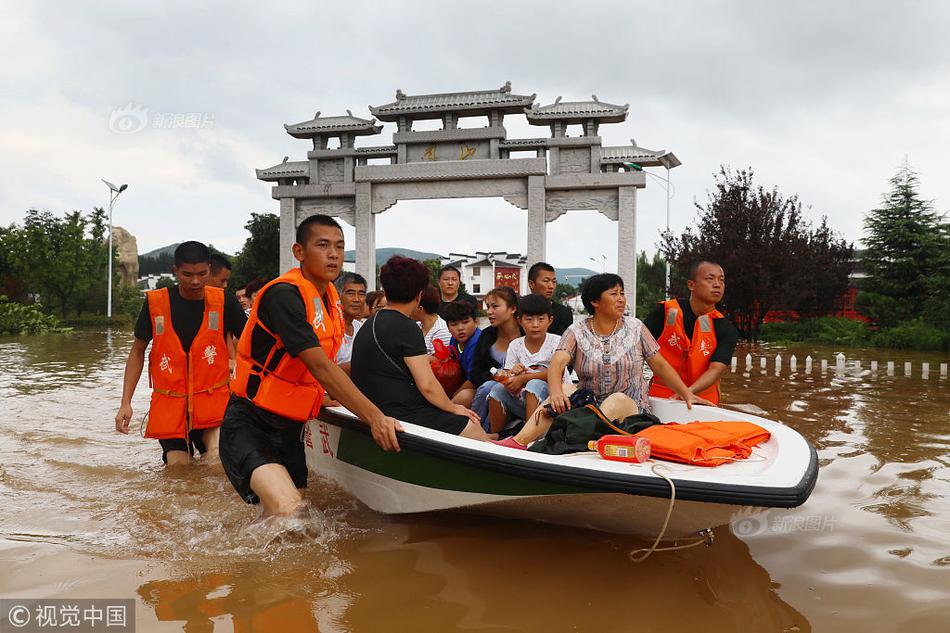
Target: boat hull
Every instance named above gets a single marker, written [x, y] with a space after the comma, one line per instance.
[419, 479]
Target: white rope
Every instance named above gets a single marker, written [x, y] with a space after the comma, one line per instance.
[636, 555]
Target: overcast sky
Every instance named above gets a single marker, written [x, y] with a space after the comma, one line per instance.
[822, 99]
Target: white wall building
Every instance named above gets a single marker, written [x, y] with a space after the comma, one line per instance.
[485, 270]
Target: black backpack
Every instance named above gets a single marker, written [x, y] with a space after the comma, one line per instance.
[572, 430]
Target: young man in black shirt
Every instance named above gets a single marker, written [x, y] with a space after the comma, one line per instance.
[192, 270]
[285, 363]
[706, 284]
[542, 280]
[450, 280]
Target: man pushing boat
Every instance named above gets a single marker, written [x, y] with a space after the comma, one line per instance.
[284, 368]
[188, 365]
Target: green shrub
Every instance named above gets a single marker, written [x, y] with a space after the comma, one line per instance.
[782, 332]
[19, 318]
[99, 320]
[836, 331]
[913, 335]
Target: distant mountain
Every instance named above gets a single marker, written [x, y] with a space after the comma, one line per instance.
[383, 254]
[574, 276]
[159, 252]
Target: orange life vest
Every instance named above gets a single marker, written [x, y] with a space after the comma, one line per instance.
[704, 443]
[189, 389]
[688, 356]
[278, 382]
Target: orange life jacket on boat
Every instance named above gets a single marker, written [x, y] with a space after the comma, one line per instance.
[704, 443]
[688, 356]
[189, 389]
[278, 382]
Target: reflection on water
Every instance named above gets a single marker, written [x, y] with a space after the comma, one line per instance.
[93, 514]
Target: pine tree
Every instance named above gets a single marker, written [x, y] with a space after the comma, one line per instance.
[905, 250]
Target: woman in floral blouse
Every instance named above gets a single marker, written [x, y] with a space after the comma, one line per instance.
[608, 351]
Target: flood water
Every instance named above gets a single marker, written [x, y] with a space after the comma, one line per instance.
[88, 513]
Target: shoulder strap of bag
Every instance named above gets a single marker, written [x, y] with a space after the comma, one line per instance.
[388, 357]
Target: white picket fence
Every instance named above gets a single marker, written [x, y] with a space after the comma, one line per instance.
[841, 365]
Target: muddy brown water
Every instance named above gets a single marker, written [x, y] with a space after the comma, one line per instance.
[91, 514]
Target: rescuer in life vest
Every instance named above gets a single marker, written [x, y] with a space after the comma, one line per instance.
[285, 365]
[188, 365]
[694, 337]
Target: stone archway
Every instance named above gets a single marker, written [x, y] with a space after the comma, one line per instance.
[566, 173]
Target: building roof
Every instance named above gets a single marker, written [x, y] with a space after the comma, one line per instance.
[284, 169]
[642, 156]
[331, 125]
[576, 112]
[470, 103]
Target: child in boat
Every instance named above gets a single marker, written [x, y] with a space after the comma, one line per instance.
[523, 385]
[460, 317]
[492, 346]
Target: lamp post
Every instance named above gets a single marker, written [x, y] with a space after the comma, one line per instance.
[113, 194]
[603, 265]
[668, 186]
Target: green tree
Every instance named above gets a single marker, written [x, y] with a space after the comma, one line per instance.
[651, 282]
[767, 249]
[564, 291]
[906, 254]
[62, 259]
[260, 256]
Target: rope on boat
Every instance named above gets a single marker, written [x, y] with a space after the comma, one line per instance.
[706, 536]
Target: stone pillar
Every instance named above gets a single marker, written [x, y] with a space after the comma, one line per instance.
[365, 234]
[288, 233]
[537, 224]
[627, 243]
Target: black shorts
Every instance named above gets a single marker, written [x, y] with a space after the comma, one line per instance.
[432, 418]
[248, 441]
[178, 444]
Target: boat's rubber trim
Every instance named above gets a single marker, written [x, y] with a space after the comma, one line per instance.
[601, 481]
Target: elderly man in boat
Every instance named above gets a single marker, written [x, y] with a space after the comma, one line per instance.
[608, 351]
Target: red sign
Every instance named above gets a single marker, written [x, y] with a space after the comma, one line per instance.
[510, 277]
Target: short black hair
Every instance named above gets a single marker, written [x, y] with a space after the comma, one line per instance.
[447, 269]
[352, 278]
[253, 286]
[303, 229]
[537, 268]
[192, 252]
[458, 311]
[597, 285]
[534, 305]
[219, 261]
[430, 300]
[694, 267]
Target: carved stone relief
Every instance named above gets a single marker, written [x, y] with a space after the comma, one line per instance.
[557, 203]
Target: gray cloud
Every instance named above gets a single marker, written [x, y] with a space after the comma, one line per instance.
[822, 99]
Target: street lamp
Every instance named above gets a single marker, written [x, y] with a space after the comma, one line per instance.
[113, 194]
[603, 265]
[668, 160]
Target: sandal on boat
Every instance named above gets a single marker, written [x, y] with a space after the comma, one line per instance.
[510, 442]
